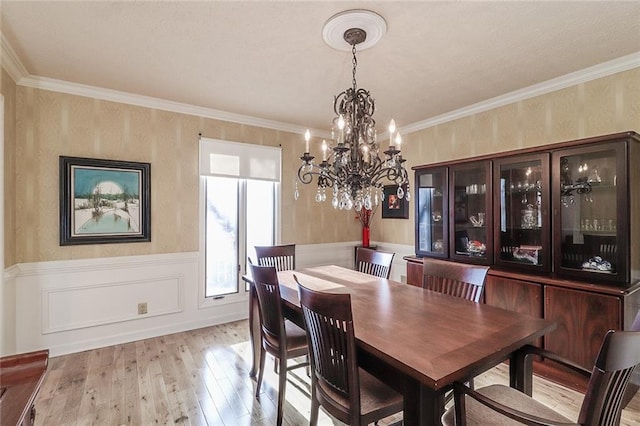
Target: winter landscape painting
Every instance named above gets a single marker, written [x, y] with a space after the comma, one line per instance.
[103, 201]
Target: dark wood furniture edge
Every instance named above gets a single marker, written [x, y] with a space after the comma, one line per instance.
[593, 287]
[541, 148]
[25, 374]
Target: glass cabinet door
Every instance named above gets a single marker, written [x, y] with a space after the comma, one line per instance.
[591, 233]
[431, 212]
[471, 215]
[521, 186]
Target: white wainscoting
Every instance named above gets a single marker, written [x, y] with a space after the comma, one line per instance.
[76, 305]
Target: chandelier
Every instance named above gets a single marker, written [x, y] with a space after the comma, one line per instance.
[352, 168]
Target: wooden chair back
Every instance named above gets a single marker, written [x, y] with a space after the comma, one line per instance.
[455, 279]
[632, 388]
[282, 257]
[374, 262]
[618, 356]
[267, 287]
[332, 351]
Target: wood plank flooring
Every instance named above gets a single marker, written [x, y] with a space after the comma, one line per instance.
[201, 377]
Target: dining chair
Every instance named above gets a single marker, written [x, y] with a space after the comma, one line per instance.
[373, 262]
[283, 257]
[455, 279]
[279, 337]
[632, 388]
[346, 391]
[602, 405]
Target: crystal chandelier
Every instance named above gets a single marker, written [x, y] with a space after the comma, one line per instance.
[352, 169]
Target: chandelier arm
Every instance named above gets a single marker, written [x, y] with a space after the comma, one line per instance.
[306, 176]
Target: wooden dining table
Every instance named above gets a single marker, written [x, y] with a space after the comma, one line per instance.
[417, 341]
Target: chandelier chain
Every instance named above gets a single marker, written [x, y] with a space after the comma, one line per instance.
[354, 61]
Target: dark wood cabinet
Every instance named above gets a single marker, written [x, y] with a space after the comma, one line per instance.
[560, 227]
[591, 214]
[514, 295]
[521, 210]
[582, 319]
[470, 235]
[570, 209]
[583, 312]
[432, 212]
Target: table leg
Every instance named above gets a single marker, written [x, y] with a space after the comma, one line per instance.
[431, 407]
[521, 372]
[254, 329]
[421, 405]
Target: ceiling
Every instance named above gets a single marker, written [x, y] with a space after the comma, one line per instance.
[268, 60]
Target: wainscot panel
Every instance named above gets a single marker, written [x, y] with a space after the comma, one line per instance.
[76, 305]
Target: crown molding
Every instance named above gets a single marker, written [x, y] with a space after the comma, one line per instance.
[604, 69]
[61, 86]
[10, 60]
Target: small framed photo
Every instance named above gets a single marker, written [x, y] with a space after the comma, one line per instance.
[394, 207]
[104, 201]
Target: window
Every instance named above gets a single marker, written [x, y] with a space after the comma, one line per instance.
[240, 214]
[240, 189]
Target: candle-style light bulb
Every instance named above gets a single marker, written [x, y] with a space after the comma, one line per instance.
[365, 153]
[398, 141]
[341, 124]
[307, 137]
[392, 129]
[324, 150]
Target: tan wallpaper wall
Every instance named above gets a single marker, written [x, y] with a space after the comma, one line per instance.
[8, 89]
[50, 124]
[606, 105]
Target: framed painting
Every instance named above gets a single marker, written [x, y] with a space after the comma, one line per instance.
[394, 207]
[104, 201]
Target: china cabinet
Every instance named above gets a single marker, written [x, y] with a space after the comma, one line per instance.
[432, 213]
[453, 212]
[591, 213]
[470, 203]
[521, 205]
[560, 229]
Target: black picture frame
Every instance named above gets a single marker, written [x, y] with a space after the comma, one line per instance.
[104, 201]
[394, 207]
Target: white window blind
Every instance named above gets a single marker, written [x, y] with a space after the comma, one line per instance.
[239, 160]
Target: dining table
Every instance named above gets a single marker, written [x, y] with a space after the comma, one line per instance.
[417, 341]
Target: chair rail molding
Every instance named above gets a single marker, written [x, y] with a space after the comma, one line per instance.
[75, 305]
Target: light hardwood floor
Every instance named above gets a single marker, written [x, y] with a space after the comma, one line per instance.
[201, 377]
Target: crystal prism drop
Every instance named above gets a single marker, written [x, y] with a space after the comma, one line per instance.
[367, 203]
[400, 192]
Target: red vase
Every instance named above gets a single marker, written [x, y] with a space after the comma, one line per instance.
[365, 236]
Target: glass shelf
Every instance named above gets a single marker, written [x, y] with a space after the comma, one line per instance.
[521, 204]
[470, 238]
[431, 213]
[589, 236]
